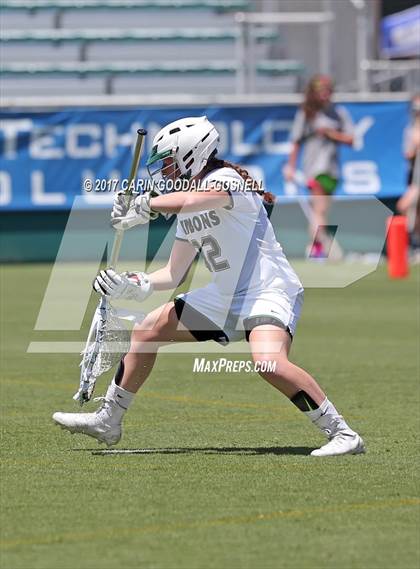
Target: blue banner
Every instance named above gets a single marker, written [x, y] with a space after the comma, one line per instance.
[47, 157]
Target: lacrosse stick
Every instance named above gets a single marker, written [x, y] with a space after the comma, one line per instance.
[108, 338]
[291, 188]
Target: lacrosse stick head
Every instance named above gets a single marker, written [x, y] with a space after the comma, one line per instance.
[108, 340]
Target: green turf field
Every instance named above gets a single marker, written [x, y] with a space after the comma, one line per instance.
[227, 482]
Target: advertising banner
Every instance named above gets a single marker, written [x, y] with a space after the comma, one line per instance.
[49, 158]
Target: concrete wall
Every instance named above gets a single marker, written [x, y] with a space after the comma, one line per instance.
[302, 41]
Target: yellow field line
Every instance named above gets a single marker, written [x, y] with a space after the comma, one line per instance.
[49, 384]
[173, 398]
[10, 462]
[216, 402]
[216, 522]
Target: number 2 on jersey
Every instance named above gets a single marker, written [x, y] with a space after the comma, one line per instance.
[211, 251]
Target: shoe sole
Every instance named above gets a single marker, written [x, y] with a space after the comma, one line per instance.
[360, 449]
[76, 431]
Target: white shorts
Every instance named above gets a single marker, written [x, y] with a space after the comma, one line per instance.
[208, 314]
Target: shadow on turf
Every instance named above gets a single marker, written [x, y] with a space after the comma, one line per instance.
[206, 450]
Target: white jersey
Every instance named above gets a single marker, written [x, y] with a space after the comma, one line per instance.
[238, 243]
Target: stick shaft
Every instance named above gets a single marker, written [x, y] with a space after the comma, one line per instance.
[119, 234]
[116, 248]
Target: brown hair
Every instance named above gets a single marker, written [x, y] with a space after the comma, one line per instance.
[214, 163]
[312, 103]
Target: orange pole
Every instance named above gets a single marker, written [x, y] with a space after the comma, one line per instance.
[397, 246]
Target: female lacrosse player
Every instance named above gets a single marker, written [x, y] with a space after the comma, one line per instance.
[319, 127]
[254, 292]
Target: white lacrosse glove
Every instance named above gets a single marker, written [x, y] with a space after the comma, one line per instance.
[129, 285]
[131, 210]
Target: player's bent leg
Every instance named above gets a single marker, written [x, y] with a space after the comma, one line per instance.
[271, 343]
[159, 328]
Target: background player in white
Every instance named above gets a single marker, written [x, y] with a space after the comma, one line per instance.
[319, 127]
[254, 291]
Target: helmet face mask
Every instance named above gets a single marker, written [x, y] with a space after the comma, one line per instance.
[163, 170]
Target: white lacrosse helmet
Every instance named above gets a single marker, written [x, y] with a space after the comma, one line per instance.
[190, 142]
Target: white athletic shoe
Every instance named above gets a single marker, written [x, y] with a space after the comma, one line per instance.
[344, 442]
[100, 425]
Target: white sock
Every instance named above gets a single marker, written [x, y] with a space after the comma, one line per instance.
[120, 400]
[120, 395]
[327, 419]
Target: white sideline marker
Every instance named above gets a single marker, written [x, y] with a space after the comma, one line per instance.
[134, 451]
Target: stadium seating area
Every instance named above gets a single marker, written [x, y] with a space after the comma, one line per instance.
[90, 47]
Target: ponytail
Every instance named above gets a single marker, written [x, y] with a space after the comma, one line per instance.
[214, 163]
